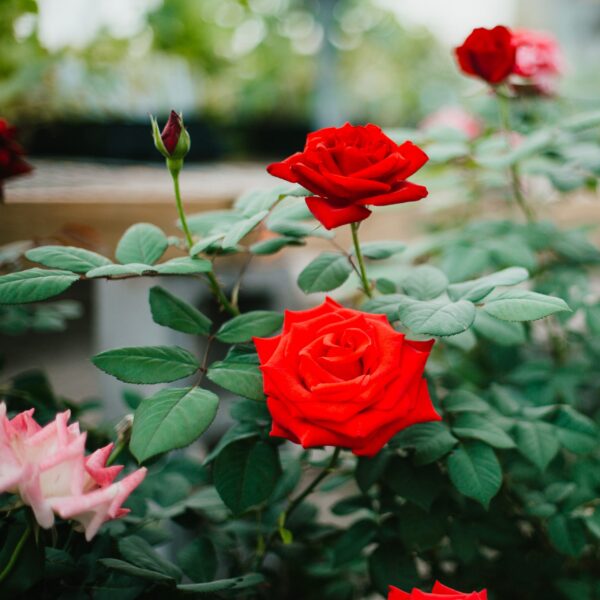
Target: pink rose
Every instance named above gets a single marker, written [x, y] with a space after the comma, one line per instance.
[538, 58]
[48, 468]
[454, 117]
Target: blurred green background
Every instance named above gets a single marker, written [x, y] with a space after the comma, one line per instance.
[251, 76]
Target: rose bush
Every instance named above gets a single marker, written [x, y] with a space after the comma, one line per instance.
[474, 460]
[339, 377]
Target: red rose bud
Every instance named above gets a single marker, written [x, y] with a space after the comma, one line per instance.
[12, 161]
[174, 141]
[341, 377]
[439, 592]
[488, 53]
[351, 167]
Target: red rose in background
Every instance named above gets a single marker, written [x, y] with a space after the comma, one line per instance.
[12, 161]
[538, 58]
[488, 53]
[439, 592]
[341, 377]
[351, 167]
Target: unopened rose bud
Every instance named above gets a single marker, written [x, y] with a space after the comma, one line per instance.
[174, 141]
[123, 428]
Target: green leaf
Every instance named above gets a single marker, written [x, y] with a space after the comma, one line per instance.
[257, 200]
[273, 245]
[352, 541]
[477, 427]
[140, 553]
[464, 401]
[238, 377]
[327, 272]
[137, 572]
[581, 121]
[245, 474]
[433, 317]
[69, 258]
[183, 265]
[220, 585]
[537, 442]
[431, 441]
[567, 535]
[424, 283]
[575, 431]
[256, 323]
[385, 286]
[33, 285]
[297, 229]
[128, 270]
[475, 471]
[477, 289]
[387, 305]
[388, 567]
[369, 470]
[523, 305]
[240, 431]
[170, 311]
[205, 243]
[141, 243]
[420, 485]
[241, 229]
[503, 333]
[198, 560]
[147, 364]
[172, 418]
[381, 250]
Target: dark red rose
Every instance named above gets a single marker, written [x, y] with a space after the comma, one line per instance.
[12, 161]
[488, 53]
[341, 377]
[439, 592]
[174, 140]
[171, 132]
[351, 167]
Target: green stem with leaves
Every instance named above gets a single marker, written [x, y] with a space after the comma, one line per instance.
[15, 555]
[212, 280]
[514, 172]
[361, 261]
[262, 547]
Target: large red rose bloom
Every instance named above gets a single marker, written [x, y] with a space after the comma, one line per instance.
[340, 377]
[352, 167]
[488, 53]
[439, 592]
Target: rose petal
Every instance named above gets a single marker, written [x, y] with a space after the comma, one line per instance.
[331, 217]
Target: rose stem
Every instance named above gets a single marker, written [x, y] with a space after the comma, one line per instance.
[555, 340]
[515, 177]
[212, 280]
[322, 475]
[361, 262]
[15, 555]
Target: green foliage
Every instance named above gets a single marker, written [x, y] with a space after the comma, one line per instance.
[147, 364]
[172, 418]
[34, 285]
[327, 272]
[256, 323]
[170, 311]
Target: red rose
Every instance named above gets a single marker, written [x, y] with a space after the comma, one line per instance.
[341, 377]
[174, 140]
[12, 162]
[488, 53]
[538, 58]
[351, 167]
[439, 592]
